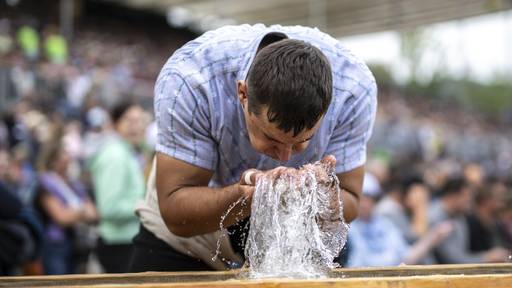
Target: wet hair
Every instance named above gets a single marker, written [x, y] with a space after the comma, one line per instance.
[294, 80]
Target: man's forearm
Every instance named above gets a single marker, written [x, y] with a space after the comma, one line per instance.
[192, 211]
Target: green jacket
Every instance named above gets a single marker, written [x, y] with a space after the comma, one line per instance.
[118, 184]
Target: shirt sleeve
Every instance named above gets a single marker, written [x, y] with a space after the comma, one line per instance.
[183, 121]
[353, 129]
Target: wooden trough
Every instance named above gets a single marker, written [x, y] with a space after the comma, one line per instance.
[446, 276]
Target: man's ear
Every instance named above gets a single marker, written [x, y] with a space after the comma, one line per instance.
[241, 90]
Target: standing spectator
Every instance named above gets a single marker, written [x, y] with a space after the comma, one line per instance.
[454, 203]
[55, 46]
[28, 40]
[118, 185]
[5, 37]
[65, 205]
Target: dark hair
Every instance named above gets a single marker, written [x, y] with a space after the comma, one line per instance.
[483, 195]
[410, 179]
[453, 186]
[120, 109]
[293, 78]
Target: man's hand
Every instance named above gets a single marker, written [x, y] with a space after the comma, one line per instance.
[247, 183]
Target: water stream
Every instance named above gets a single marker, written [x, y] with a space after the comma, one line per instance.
[296, 226]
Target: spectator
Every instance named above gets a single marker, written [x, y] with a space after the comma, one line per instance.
[505, 223]
[483, 221]
[65, 205]
[406, 205]
[376, 241]
[5, 37]
[454, 203]
[118, 185]
[28, 40]
[20, 231]
[55, 46]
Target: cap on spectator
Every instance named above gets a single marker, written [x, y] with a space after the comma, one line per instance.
[371, 186]
[96, 117]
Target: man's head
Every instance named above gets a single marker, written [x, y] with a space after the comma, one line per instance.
[458, 195]
[128, 120]
[287, 91]
[490, 198]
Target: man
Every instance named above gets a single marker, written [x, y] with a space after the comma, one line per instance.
[454, 203]
[241, 98]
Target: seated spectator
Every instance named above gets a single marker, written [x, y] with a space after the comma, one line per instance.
[483, 220]
[505, 223]
[376, 241]
[406, 205]
[65, 205]
[454, 203]
[20, 230]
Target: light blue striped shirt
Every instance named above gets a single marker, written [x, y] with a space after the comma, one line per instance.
[200, 120]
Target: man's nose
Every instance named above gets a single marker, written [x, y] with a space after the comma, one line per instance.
[284, 153]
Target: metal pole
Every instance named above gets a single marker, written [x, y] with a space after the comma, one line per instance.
[66, 11]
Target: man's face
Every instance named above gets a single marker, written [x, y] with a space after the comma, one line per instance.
[131, 125]
[465, 200]
[266, 138]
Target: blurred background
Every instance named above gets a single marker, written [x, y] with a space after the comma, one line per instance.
[439, 182]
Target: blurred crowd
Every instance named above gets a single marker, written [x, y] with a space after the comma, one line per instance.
[438, 188]
[77, 138]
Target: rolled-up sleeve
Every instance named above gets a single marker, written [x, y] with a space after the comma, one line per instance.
[354, 129]
[183, 121]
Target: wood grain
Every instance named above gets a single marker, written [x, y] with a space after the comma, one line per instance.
[446, 276]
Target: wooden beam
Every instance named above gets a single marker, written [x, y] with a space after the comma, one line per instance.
[459, 276]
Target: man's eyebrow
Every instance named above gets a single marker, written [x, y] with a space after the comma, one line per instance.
[273, 139]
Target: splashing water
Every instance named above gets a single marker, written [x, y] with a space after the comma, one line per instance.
[297, 226]
[242, 201]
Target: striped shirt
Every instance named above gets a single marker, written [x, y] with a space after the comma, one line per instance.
[200, 119]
